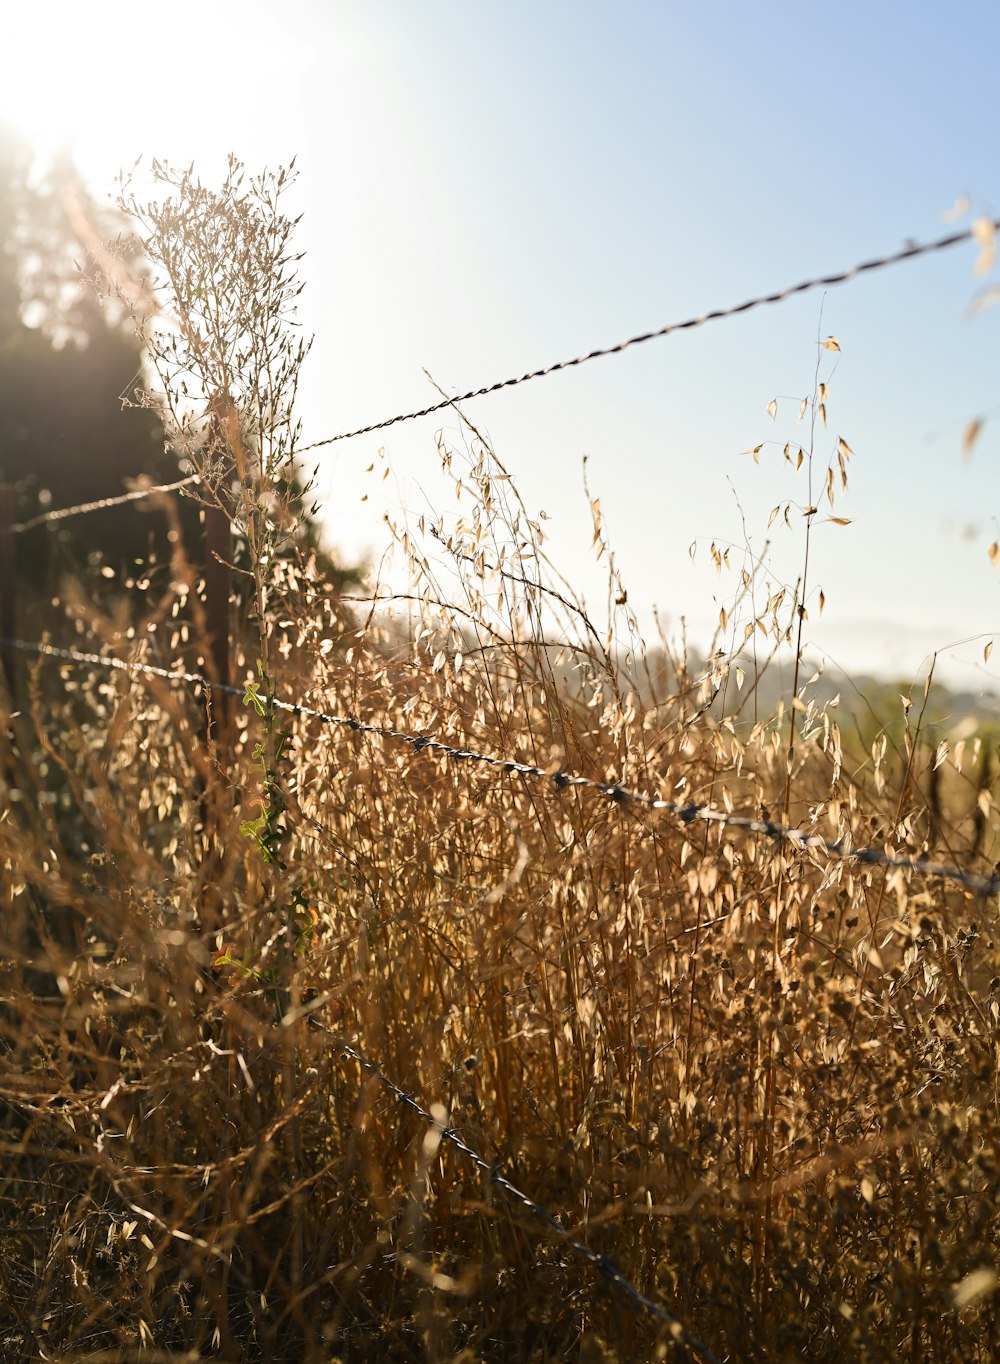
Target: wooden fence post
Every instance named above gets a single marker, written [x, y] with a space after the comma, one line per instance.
[8, 588]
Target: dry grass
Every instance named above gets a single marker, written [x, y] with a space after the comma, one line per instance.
[760, 1081]
[765, 1085]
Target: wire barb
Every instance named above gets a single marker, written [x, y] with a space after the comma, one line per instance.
[908, 252]
[835, 849]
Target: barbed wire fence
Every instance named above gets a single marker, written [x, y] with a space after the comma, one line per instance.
[805, 841]
[687, 813]
[911, 251]
[982, 231]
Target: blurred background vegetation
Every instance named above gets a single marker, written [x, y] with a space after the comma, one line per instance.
[68, 363]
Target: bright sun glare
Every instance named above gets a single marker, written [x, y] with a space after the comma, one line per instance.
[112, 82]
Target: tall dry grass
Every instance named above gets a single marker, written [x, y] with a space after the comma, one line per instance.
[762, 1082]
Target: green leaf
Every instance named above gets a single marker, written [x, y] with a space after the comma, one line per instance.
[251, 698]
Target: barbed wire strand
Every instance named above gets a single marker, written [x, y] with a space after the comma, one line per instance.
[450, 1135]
[908, 252]
[691, 813]
[62, 513]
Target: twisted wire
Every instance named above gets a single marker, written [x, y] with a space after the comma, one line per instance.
[690, 813]
[908, 252]
[450, 1135]
[61, 513]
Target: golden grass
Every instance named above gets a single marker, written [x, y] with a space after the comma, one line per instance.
[761, 1082]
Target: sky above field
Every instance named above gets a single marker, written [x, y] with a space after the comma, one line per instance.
[488, 189]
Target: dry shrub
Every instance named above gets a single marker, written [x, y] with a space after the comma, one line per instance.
[763, 1082]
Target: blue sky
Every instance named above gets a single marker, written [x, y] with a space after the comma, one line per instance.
[490, 188]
